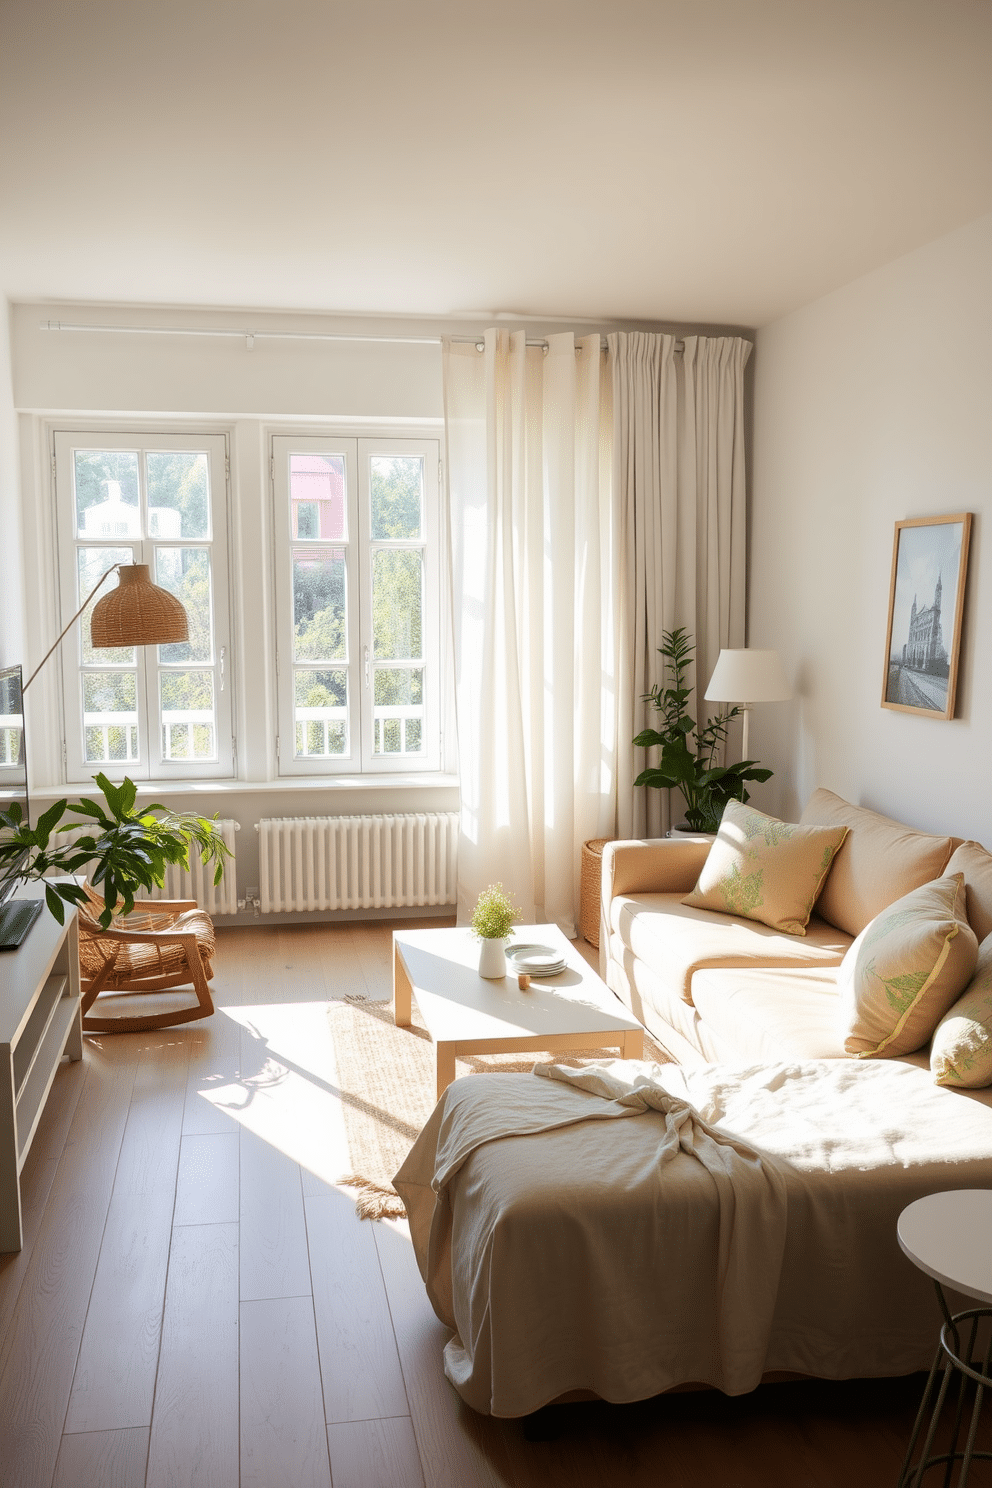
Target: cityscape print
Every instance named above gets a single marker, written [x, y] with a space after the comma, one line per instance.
[929, 563]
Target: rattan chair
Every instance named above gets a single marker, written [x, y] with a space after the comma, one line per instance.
[162, 944]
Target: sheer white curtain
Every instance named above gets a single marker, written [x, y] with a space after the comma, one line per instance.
[533, 556]
[679, 485]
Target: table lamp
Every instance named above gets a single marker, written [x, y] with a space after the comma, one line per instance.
[748, 676]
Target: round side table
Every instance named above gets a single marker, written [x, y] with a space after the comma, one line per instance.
[949, 1237]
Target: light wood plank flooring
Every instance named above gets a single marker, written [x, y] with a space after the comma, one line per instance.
[196, 1303]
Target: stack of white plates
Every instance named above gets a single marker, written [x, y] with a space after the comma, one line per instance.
[535, 960]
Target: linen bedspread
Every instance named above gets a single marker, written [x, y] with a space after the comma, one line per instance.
[743, 1223]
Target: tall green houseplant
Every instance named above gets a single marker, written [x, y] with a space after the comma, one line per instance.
[125, 850]
[689, 753]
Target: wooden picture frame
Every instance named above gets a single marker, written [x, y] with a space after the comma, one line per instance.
[926, 605]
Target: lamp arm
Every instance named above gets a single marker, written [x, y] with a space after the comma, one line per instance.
[113, 569]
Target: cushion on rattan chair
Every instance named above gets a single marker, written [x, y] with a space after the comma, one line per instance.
[139, 958]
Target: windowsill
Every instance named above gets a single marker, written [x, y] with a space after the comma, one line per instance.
[329, 784]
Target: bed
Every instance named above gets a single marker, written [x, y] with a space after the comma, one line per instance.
[628, 1228]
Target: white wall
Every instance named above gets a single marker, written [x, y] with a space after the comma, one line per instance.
[871, 405]
[100, 371]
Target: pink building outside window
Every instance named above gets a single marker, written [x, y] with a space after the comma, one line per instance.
[316, 489]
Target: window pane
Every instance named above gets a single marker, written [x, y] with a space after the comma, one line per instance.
[185, 572]
[188, 724]
[399, 710]
[397, 483]
[397, 604]
[110, 718]
[178, 494]
[321, 713]
[319, 604]
[92, 563]
[107, 494]
[307, 515]
[316, 496]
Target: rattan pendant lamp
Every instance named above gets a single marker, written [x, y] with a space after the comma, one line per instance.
[136, 613]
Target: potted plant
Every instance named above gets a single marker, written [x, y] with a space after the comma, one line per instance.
[126, 850]
[689, 754]
[492, 921]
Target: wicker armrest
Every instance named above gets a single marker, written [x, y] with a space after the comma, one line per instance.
[149, 937]
[156, 906]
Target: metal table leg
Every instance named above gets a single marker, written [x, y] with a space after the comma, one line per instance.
[949, 1355]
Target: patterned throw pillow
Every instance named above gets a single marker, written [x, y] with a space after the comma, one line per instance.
[766, 870]
[906, 969]
[961, 1053]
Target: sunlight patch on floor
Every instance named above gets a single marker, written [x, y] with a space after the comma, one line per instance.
[285, 1090]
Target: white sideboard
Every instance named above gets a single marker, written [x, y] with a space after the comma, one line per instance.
[39, 1023]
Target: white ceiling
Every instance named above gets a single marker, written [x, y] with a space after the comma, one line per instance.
[697, 160]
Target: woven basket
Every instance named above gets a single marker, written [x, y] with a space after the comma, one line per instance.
[589, 891]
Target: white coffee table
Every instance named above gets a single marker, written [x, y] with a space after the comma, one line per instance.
[468, 1014]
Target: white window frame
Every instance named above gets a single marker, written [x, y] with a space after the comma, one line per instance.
[359, 664]
[151, 763]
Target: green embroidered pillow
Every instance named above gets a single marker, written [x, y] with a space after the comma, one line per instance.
[961, 1053]
[905, 970]
[766, 870]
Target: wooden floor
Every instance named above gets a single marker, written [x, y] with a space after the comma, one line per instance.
[196, 1303]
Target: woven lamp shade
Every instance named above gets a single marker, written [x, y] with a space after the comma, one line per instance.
[138, 612]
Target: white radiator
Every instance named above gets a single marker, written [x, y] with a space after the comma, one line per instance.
[357, 862]
[196, 882]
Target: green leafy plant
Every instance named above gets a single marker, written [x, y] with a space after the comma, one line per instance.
[689, 754]
[494, 914]
[125, 850]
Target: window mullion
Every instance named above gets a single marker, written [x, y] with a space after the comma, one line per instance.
[146, 657]
[366, 637]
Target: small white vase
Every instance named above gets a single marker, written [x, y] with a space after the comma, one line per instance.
[492, 959]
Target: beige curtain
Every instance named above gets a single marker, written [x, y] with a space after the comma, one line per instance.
[533, 603]
[679, 489]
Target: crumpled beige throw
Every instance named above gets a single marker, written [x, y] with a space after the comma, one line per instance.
[487, 1265]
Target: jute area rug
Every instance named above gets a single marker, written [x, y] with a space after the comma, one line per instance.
[386, 1076]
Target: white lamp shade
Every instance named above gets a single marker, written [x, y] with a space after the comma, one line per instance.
[748, 676]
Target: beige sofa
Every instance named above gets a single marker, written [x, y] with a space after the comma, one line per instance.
[568, 1252]
[717, 988]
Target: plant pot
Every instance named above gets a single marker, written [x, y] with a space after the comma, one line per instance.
[492, 959]
[682, 829]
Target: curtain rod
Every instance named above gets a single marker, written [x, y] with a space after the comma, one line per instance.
[250, 337]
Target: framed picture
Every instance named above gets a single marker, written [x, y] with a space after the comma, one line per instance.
[926, 602]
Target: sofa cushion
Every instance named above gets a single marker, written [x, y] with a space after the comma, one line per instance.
[879, 861]
[676, 940]
[765, 869]
[768, 1015]
[975, 863]
[961, 1053]
[905, 970]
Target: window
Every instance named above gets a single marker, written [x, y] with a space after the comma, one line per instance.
[161, 500]
[357, 601]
